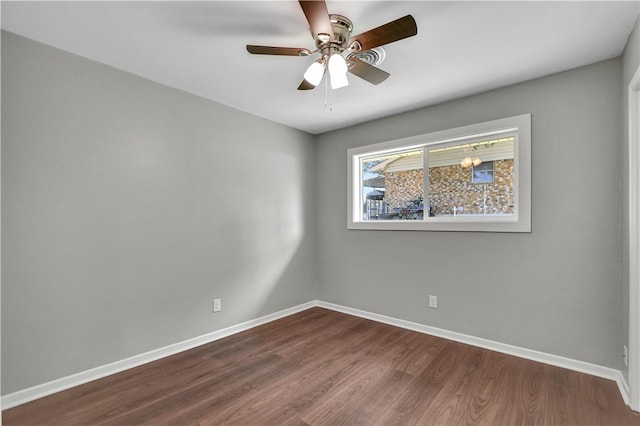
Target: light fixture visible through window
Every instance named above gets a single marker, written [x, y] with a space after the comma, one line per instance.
[468, 162]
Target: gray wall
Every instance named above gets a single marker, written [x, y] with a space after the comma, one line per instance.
[557, 289]
[129, 206]
[630, 63]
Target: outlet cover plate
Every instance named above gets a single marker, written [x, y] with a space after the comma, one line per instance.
[433, 302]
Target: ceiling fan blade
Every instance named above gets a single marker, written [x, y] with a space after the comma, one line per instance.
[270, 50]
[318, 17]
[393, 31]
[367, 71]
[305, 85]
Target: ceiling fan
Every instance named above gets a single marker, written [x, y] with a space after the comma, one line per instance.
[340, 52]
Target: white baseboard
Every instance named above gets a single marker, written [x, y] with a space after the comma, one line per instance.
[558, 361]
[39, 391]
[623, 385]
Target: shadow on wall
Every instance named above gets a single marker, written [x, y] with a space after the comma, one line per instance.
[265, 232]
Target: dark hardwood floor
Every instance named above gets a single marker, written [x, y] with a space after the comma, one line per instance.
[324, 367]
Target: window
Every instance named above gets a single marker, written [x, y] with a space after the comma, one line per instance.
[471, 178]
[482, 173]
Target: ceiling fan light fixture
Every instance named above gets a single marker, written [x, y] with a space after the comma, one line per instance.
[338, 71]
[314, 73]
[337, 65]
[338, 81]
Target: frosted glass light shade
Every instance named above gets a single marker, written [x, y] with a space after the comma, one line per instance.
[338, 81]
[314, 73]
[337, 64]
[338, 71]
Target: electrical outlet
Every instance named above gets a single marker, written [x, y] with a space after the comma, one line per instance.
[217, 305]
[625, 355]
[433, 301]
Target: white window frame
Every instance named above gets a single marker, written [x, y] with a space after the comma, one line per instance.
[519, 126]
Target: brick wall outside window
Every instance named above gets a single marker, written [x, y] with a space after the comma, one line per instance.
[451, 187]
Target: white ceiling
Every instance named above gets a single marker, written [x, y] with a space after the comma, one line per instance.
[461, 48]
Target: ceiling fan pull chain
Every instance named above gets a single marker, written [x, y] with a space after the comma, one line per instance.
[326, 94]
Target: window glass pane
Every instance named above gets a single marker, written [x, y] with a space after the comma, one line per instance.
[472, 179]
[482, 173]
[393, 186]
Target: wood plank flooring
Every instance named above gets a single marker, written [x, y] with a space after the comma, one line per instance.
[322, 367]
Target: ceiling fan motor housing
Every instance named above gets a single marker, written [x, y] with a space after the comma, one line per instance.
[342, 27]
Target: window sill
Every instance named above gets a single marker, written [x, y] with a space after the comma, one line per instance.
[474, 223]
